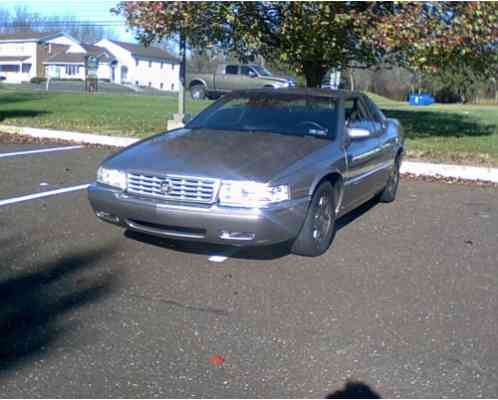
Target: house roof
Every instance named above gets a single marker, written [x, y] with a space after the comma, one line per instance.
[79, 58]
[14, 58]
[67, 58]
[147, 52]
[93, 50]
[27, 36]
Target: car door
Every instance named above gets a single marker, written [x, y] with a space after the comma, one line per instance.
[248, 78]
[362, 154]
[388, 138]
[225, 82]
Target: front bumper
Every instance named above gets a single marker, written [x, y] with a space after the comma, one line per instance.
[212, 224]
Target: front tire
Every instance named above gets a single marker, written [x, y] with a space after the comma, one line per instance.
[388, 194]
[318, 230]
[198, 92]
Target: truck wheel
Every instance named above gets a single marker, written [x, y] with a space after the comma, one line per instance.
[198, 92]
[318, 230]
[388, 194]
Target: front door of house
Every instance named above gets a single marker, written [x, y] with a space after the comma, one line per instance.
[124, 74]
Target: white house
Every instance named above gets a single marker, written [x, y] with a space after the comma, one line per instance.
[72, 63]
[22, 54]
[26, 55]
[143, 66]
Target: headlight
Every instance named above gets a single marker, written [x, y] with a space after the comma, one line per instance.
[112, 177]
[282, 84]
[251, 194]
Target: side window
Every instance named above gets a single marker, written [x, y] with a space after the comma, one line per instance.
[247, 71]
[375, 111]
[231, 70]
[356, 115]
[378, 118]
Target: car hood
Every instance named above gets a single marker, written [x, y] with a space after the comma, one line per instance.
[232, 155]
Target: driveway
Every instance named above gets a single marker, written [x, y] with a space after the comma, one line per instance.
[405, 302]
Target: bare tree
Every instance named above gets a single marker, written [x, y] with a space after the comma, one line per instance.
[22, 19]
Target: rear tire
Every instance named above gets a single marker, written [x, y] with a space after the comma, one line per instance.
[198, 92]
[318, 230]
[388, 194]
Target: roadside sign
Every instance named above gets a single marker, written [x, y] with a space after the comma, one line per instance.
[92, 64]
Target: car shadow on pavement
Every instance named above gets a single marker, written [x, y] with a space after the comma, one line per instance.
[352, 216]
[249, 253]
[33, 303]
[208, 249]
[354, 390]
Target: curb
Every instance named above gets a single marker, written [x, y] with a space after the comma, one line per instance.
[463, 172]
[88, 138]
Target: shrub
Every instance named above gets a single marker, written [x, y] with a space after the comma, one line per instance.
[37, 80]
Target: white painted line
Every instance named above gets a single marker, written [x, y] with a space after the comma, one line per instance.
[34, 196]
[26, 152]
[217, 259]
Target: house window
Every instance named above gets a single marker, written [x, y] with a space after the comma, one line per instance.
[136, 83]
[72, 70]
[150, 64]
[136, 62]
[172, 67]
[162, 64]
[162, 85]
[172, 87]
[150, 84]
[9, 68]
[26, 68]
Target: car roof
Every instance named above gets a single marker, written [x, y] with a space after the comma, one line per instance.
[298, 92]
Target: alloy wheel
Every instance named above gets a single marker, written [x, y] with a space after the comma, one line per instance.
[322, 218]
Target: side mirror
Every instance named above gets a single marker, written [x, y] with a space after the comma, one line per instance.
[358, 133]
[252, 74]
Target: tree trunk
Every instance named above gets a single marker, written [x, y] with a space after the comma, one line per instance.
[351, 79]
[314, 73]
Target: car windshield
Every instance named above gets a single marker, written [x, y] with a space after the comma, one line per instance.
[261, 70]
[275, 112]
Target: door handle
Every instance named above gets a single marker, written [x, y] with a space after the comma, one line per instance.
[366, 154]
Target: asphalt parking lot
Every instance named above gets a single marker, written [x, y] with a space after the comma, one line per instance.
[405, 302]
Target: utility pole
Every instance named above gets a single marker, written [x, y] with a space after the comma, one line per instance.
[181, 116]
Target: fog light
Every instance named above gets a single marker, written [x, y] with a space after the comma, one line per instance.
[107, 217]
[237, 235]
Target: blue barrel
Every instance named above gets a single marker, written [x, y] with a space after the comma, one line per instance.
[421, 99]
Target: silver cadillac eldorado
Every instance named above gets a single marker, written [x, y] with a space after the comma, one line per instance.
[257, 167]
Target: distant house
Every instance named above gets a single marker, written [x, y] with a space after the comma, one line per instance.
[143, 66]
[26, 55]
[71, 64]
[22, 54]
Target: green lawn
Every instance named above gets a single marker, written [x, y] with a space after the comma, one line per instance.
[447, 132]
[454, 133]
[126, 115]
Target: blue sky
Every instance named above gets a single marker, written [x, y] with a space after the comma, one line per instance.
[89, 10]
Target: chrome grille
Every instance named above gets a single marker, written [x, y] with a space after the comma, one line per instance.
[174, 187]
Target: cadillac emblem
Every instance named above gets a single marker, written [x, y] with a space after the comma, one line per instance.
[165, 186]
